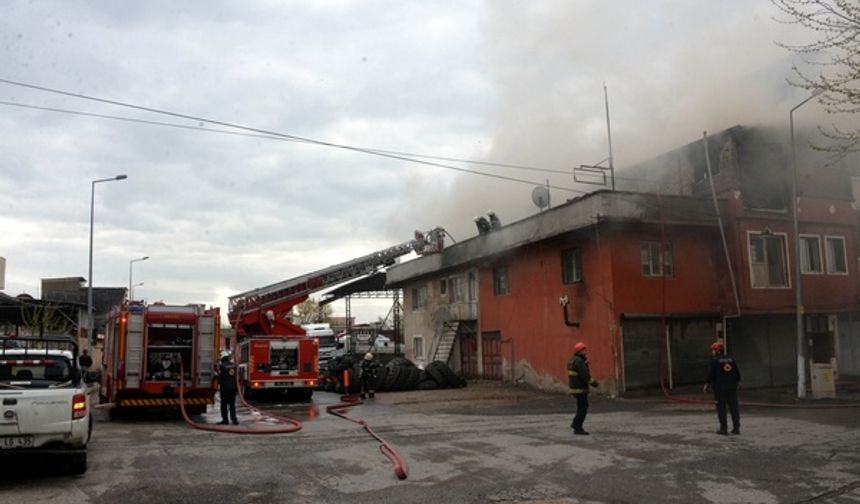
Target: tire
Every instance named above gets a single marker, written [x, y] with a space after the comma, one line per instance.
[435, 373]
[392, 374]
[400, 361]
[381, 375]
[354, 383]
[78, 463]
[413, 378]
[450, 376]
[428, 384]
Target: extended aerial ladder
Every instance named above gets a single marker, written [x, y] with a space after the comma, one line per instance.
[264, 311]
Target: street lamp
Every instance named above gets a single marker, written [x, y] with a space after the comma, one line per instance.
[132, 289]
[801, 361]
[90, 321]
[130, 286]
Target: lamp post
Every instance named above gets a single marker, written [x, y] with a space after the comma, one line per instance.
[138, 284]
[801, 360]
[90, 321]
[130, 286]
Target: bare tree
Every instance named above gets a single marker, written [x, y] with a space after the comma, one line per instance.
[836, 25]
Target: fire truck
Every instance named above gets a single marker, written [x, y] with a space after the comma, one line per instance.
[150, 349]
[271, 352]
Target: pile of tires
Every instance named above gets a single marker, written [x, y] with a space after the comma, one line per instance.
[439, 375]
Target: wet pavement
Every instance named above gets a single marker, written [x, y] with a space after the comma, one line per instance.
[484, 443]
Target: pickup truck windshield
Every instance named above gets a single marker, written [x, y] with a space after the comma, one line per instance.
[34, 372]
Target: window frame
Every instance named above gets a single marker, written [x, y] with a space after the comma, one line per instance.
[665, 259]
[786, 262]
[501, 288]
[455, 289]
[575, 266]
[803, 250]
[419, 302]
[418, 338]
[827, 240]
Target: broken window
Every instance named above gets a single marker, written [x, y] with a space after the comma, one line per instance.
[655, 263]
[810, 254]
[836, 264]
[767, 260]
[501, 284]
[571, 266]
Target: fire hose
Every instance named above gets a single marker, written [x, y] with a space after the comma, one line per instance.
[401, 468]
[294, 425]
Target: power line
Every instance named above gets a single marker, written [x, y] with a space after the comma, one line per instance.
[280, 135]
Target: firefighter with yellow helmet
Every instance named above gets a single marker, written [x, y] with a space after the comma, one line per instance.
[369, 368]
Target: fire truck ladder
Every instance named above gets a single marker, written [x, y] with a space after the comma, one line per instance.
[301, 286]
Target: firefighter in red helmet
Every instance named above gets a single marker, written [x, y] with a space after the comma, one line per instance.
[579, 379]
[724, 377]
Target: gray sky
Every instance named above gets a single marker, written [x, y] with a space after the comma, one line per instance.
[503, 81]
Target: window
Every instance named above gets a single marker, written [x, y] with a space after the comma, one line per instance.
[836, 264]
[810, 254]
[455, 287]
[418, 347]
[419, 297]
[767, 260]
[654, 263]
[571, 266]
[443, 287]
[473, 286]
[501, 285]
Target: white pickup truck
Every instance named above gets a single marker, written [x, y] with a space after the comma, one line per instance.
[45, 404]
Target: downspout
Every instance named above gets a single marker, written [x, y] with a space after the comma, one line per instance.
[564, 301]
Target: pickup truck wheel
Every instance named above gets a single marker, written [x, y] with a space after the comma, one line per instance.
[78, 463]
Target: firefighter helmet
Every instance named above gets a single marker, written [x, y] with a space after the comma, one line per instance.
[368, 356]
[226, 354]
[717, 346]
[579, 347]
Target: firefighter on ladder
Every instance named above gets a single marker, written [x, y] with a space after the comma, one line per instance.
[369, 368]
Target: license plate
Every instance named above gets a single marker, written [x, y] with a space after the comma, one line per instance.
[283, 384]
[12, 442]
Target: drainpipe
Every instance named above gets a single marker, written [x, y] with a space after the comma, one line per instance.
[564, 301]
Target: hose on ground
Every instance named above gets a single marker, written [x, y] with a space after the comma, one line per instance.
[294, 425]
[401, 469]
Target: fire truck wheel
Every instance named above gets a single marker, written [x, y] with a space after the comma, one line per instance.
[78, 463]
[116, 413]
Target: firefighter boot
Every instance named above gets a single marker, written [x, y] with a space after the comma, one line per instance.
[363, 395]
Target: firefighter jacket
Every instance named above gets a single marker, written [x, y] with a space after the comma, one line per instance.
[578, 375]
[369, 368]
[227, 377]
[723, 373]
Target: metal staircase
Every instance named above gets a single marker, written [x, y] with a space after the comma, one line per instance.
[444, 342]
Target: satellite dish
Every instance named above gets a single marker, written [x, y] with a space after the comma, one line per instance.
[540, 197]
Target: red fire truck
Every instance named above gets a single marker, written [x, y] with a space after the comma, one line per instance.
[145, 348]
[273, 353]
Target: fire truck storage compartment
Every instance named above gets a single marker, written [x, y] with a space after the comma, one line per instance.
[167, 346]
[284, 358]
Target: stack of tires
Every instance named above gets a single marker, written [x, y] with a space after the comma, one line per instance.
[437, 374]
[399, 374]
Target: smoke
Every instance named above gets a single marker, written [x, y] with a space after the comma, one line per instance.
[672, 69]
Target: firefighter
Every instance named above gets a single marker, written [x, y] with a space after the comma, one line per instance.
[579, 378]
[227, 388]
[724, 378]
[369, 367]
